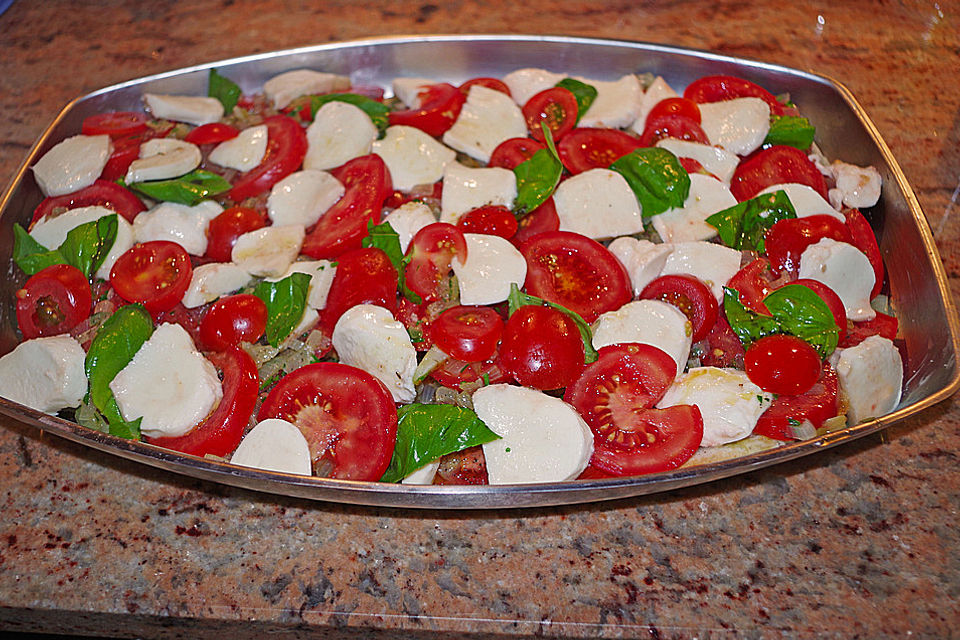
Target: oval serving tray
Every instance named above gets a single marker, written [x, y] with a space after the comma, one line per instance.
[918, 286]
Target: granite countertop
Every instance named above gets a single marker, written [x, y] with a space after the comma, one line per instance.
[859, 541]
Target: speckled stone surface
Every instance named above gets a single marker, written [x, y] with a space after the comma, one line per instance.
[860, 541]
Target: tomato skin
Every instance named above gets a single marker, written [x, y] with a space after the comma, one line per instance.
[221, 432]
[115, 124]
[212, 133]
[819, 403]
[440, 105]
[587, 148]
[101, 193]
[787, 239]
[455, 374]
[490, 219]
[513, 151]
[286, 149]
[467, 333]
[882, 325]
[723, 348]
[490, 83]
[719, 88]
[431, 251]
[463, 467]
[688, 294]
[364, 276]
[347, 416]
[576, 272]
[223, 231]
[754, 282]
[782, 364]
[557, 107]
[344, 225]
[863, 238]
[155, 273]
[542, 348]
[672, 126]
[778, 164]
[125, 151]
[832, 300]
[53, 301]
[543, 218]
[232, 320]
[675, 106]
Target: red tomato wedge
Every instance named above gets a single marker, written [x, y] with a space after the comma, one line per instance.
[212, 133]
[513, 151]
[455, 373]
[754, 282]
[816, 405]
[677, 107]
[115, 124]
[221, 432]
[431, 251]
[364, 276]
[101, 193]
[543, 218]
[586, 148]
[53, 301]
[786, 240]
[223, 231]
[126, 149]
[557, 107]
[489, 83]
[672, 126]
[155, 273]
[691, 296]
[863, 238]
[542, 348]
[347, 416]
[440, 105]
[575, 272]
[779, 164]
[720, 88]
[494, 220]
[882, 325]
[344, 225]
[468, 333]
[286, 148]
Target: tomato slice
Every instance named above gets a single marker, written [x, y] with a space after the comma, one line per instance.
[672, 126]
[863, 238]
[576, 272]
[286, 148]
[779, 164]
[430, 253]
[53, 301]
[718, 88]
[557, 107]
[102, 193]
[347, 416]
[223, 231]
[542, 348]
[882, 325]
[468, 333]
[510, 153]
[754, 282]
[816, 405]
[344, 225]
[675, 106]
[691, 296]
[615, 396]
[364, 276]
[114, 123]
[155, 273]
[782, 364]
[489, 83]
[221, 432]
[494, 220]
[440, 105]
[463, 467]
[232, 320]
[787, 239]
[543, 218]
[587, 148]
[212, 133]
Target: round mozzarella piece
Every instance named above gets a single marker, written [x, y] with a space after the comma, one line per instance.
[739, 125]
[72, 164]
[707, 197]
[339, 132]
[409, 218]
[871, 376]
[180, 223]
[465, 188]
[268, 251]
[46, 374]
[190, 109]
[321, 274]
[729, 403]
[492, 265]
[408, 90]
[212, 280]
[303, 197]
[412, 156]
[51, 232]
[599, 204]
[712, 263]
[806, 201]
[657, 91]
[716, 160]
[487, 118]
[162, 159]
[526, 83]
[244, 152]
[543, 439]
[288, 86]
[859, 186]
[652, 322]
[616, 105]
[846, 270]
[274, 445]
[643, 260]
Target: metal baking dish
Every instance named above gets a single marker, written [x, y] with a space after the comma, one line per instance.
[918, 284]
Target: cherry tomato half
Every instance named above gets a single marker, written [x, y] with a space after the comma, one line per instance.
[364, 276]
[114, 123]
[672, 125]
[431, 251]
[675, 106]
[347, 416]
[882, 325]
[232, 320]
[819, 403]
[53, 301]
[510, 153]
[286, 148]
[863, 238]
[102, 193]
[463, 467]
[494, 220]
[723, 348]
[691, 296]
[782, 364]
[468, 333]
[779, 164]
[126, 149]
[754, 282]
[719, 88]
[155, 273]
[489, 83]
[543, 218]
[457, 374]
[557, 107]
[440, 105]
[787, 239]
[212, 133]
[223, 231]
[587, 148]
[542, 348]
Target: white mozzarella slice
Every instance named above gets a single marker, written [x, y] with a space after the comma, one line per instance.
[52, 231]
[168, 383]
[190, 109]
[465, 189]
[303, 197]
[657, 91]
[369, 338]
[652, 322]
[707, 196]
[642, 259]
[72, 164]
[871, 377]
[859, 186]
[288, 86]
[339, 132]
[180, 223]
[718, 161]
[729, 403]
[487, 118]
[492, 265]
[599, 204]
[543, 439]
[212, 280]
[739, 125]
[274, 445]
[846, 270]
[321, 274]
[46, 374]
[806, 201]
[616, 105]
[268, 251]
[412, 156]
[163, 158]
[409, 218]
[244, 152]
[423, 475]
[712, 263]
[526, 83]
[408, 90]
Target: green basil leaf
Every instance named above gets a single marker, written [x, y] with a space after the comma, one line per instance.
[189, 189]
[583, 92]
[744, 225]
[537, 177]
[795, 131]
[518, 298]
[748, 326]
[223, 89]
[383, 237]
[426, 432]
[376, 110]
[286, 300]
[30, 255]
[87, 245]
[656, 177]
[118, 339]
[124, 429]
[804, 314]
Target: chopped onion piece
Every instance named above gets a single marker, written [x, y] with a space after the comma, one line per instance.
[804, 431]
[431, 360]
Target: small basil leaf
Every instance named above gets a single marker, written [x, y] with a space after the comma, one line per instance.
[518, 298]
[286, 301]
[744, 225]
[87, 245]
[376, 110]
[583, 92]
[748, 326]
[383, 237]
[537, 177]
[30, 255]
[656, 178]
[124, 429]
[426, 432]
[795, 131]
[804, 314]
[223, 89]
[189, 189]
